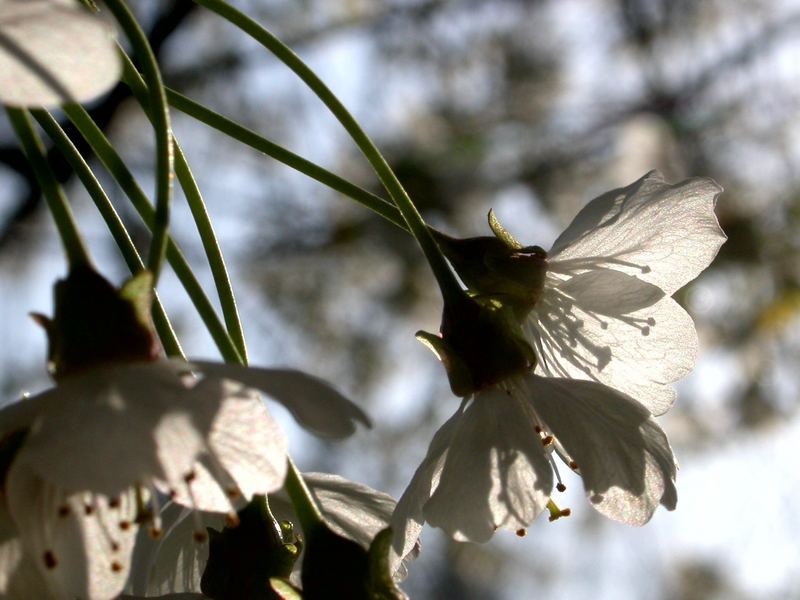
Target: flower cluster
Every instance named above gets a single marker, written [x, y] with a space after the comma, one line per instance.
[607, 339]
[87, 463]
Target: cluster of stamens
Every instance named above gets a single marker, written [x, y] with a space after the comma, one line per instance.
[88, 507]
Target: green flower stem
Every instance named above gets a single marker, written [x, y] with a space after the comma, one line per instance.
[451, 290]
[375, 203]
[204, 227]
[305, 506]
[160, 319]
[160, 116]
[120, 172]
[54, 195]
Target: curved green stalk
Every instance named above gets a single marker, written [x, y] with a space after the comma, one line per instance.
[53, 194]
[160, 319]
[160, 117]
[204, 226]
[229, 127]
[305, 506]
[120, 172]
[451, 290]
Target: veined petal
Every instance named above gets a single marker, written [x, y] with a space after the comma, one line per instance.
[624, 457]
[313, 402]
[137, 419]
[665, 234]
[408, 517]
[81, 543]
[53, 52]
[245, 446]
[614, 328]
[495, 474]
[175, 562]
[353, 510]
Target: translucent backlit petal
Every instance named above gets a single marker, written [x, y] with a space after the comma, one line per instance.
[665, 234]
[624, 457]
[614, 328]
[495, 474]
[81, 543]
[53, 52]
[313, 402]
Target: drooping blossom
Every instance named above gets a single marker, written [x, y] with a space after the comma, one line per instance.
[607, 340]
[96, 451]
[492, 465]
[53, 52]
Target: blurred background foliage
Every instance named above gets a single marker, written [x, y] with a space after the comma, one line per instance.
[532, 107]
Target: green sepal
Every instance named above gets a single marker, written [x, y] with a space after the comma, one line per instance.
[284, 590]
[243, 559]
[382, 584]
[457, 372]
[138, 290]
[501, 233]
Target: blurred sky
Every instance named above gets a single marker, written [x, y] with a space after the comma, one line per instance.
[531, 108]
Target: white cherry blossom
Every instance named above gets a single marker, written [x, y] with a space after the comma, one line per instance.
[605, 313]
[53, 52]
[491, 465]
[102, 444]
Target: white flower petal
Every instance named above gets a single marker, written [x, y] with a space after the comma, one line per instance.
[19, 577]
[81, 543]
[313, 402]
[665, 234]
[614, 328]
[408, 517]
[246, 447]
[135, 419]
[175, 562]
[624, 457]
[351, 509]
[495, 474]
[52, 52]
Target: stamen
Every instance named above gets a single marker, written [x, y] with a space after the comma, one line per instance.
[88, 509]
[124, 525]
[232, 520]
[573, 465]
[50, 561]
[199, 536]
[548, 440]
[116, 567]
[555, 512]
[113, 503]
[561, 487]
[522, 532]
[63, 510]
